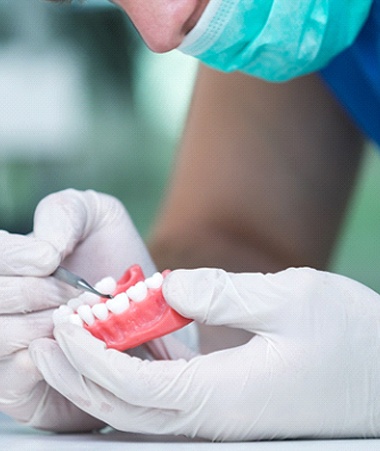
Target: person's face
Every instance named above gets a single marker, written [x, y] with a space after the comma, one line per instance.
[163, 23]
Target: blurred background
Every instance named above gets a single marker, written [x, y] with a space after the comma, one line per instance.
[84, 104]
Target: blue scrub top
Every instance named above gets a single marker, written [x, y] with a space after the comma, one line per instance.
[354, 76]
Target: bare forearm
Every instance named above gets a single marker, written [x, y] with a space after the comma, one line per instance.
[211, 248]
[262, 178]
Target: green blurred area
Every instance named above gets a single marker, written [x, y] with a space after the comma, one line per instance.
[127, 107]
[357, 254]
[84, 104]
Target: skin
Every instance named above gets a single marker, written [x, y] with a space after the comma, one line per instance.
[163, 23]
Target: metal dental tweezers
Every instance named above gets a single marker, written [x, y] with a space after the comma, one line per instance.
[75, 281]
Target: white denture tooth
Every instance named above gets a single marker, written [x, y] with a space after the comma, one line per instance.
[75, 319]
[138, 292]
[119, 304]
[85, 313]
[59, 317]
[89, 298]
[106, 285]
[64, 309]
[155, 281]
[74, 303]
[100, 311]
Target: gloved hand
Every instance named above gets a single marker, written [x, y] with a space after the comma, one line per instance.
[87, 232]
[312, 369]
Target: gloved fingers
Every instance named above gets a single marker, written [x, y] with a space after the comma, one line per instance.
[28, 294]
[169, 348]
[19, 377]
[144, 383]
[25, 396]
[175, 397]
[97, 226]
[113, 239]
[61, 219]
[26, 256]
[17, 331]
[51, 411]
[251, 301]
[97, 401]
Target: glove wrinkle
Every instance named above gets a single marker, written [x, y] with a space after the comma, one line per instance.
[90, 234]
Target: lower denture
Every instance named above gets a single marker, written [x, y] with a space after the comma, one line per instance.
[142, 321]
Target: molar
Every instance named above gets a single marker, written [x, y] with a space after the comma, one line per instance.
[155, 281]
[106, 285]
[138, 292]
[85, 313]
[100, 311]
[118, 304]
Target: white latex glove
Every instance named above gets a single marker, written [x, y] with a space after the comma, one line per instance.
[87, 232]
[311, 370]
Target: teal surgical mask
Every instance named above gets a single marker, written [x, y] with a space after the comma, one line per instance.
[274, 39]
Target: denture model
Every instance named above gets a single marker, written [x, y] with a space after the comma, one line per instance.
[137, 312]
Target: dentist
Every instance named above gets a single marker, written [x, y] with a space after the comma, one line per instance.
[288, 93]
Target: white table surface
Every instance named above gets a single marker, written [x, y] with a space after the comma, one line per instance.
[14, 437]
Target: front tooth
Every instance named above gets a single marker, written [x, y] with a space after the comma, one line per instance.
[154, 281]
[75, 319]
[138, 292]
[75, 303]
[106, 285]
[118, 304]
[89, 298]
[85, 313]
[100, 311]
[64, 309]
